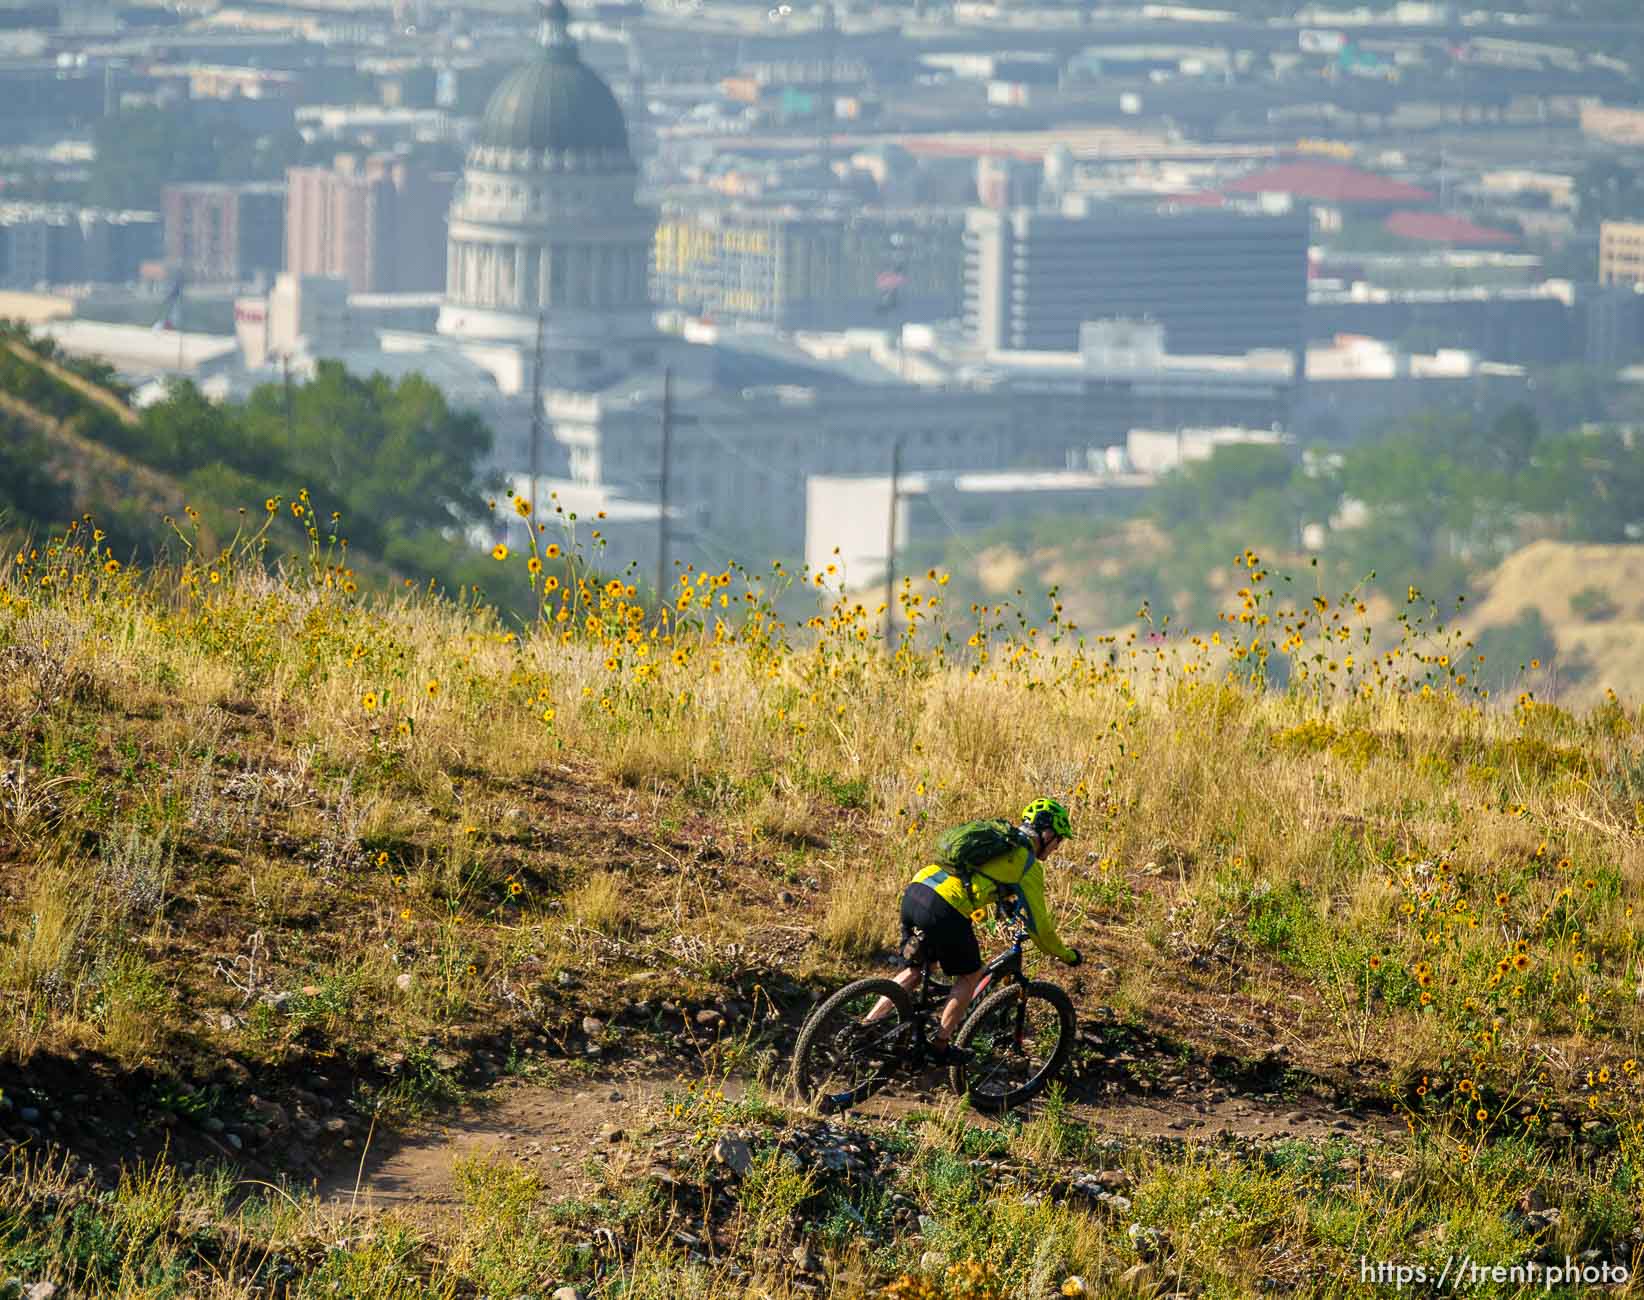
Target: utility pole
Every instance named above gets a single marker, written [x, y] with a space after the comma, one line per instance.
[890, 540]
[662, 485]
[536, 415]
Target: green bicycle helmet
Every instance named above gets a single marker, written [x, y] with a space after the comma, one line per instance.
[1048, 814]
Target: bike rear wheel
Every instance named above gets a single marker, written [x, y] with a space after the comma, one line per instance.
[1020, 1038]
[841, 1058]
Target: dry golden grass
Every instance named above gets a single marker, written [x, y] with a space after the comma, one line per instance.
[601, 903]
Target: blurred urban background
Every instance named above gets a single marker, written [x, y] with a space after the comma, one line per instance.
[1092, 295]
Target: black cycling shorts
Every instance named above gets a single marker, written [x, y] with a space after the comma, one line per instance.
[950, 938]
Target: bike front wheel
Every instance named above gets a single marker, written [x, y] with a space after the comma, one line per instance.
[1020, 1037]
[842, 1057]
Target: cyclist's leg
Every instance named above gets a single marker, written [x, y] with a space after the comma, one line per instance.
[908, 978]
[914, 956]
[954, 942]
[953, 1010]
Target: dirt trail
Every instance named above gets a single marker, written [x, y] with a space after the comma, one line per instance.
[553, 1131]
[548, 1130]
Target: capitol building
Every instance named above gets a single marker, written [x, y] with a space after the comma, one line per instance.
[547, 301]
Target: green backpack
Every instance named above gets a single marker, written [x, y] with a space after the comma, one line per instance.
[965, 847]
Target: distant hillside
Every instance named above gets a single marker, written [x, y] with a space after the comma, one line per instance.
[51, 413]
[1591, 599]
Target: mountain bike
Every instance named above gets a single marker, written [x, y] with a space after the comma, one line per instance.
[1019, 1032]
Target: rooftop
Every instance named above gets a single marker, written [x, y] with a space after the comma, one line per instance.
[1328, 183]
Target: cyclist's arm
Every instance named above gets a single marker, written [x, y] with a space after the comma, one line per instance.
[1036, 914]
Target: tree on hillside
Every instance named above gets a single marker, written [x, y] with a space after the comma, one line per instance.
[29, 494]
[1592, 482]
[397, 455]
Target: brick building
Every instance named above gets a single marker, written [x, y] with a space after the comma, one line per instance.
[225, 232]
[377, 222]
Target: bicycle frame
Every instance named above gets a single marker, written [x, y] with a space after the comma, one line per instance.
[933, 993]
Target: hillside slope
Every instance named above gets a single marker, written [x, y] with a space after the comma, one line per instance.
[1591, 597]
[286, 872]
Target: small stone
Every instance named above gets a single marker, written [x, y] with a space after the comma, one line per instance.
[785, 897]
[593, 1026]
[226, 1022]
[1113, 1180]
[1118, 1204]
[40, 1291]
[805, 1260]
[566, 979]
[1137, 1279]
[708, 1018]
[566, 1293]
[930, 1261]
[1532, 1202]
[336, 1124]
[311, 990]
[402, 981]
[1074, 1286]
[29, 1114]
[734, 1154]
[234, 1140]
[211, 1124]
[611, 1133]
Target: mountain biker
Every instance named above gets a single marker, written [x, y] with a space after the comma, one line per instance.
[938, 911]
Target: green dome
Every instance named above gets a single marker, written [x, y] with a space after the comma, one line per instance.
[555, 103]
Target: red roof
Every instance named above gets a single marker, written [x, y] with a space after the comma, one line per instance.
[1436, 227]
[1329, 183]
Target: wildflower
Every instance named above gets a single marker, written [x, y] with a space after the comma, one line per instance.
[534, 565]
[1521, 963]
[405, 914]
[473, 969]
[522, 507]
[551, 551]
[516, 888]
[271, 505]
[297, 509]
[1465, 1086]
[368, 701]
[550, 583]
[548, 715]
[1604, 1074]
[1501, 900]
[113, 566]
[499, 552]
[1481, 1114]
[1375, 962]
[382, 859]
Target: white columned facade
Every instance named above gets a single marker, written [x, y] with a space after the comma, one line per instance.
[546, 219]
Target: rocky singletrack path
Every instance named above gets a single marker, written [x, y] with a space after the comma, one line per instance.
[553, 1130]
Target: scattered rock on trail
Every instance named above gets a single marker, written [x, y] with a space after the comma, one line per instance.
[402, 981]
[566, 1293]
[805, 1260]
[708, 1018]
[40, 1291]
[593, 1026]
[734, 1154]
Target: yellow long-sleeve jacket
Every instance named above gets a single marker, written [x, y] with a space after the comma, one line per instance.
[1015, 876]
